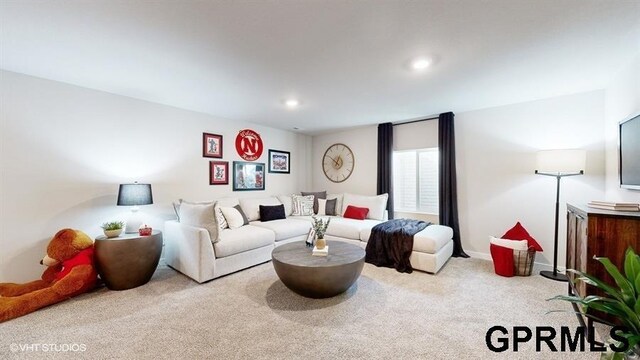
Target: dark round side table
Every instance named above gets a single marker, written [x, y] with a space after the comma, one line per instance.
[129, 260]
[318, 276]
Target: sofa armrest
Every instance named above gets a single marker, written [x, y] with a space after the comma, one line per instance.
[189, 250]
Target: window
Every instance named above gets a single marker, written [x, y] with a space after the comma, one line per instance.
[415, 180]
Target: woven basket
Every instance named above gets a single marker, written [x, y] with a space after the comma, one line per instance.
[523, 261]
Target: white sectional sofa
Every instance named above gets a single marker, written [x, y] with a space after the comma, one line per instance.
[191, 250]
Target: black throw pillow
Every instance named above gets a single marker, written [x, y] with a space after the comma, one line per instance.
[330, 207]
[274, 212]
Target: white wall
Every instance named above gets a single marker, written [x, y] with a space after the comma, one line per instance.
[363, 141]
[496, 158]
[622, 100]
[496, 150]
[64, 150]
[417, 135]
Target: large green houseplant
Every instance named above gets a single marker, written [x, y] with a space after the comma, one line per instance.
[622, 301]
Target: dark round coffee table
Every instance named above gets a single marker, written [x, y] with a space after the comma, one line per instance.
[318, 276]
[129, 260]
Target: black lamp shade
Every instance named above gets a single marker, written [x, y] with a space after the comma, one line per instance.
[135, 194]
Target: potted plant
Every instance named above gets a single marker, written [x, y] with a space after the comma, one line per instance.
[112, 228]
[320, 227]
[622, 301]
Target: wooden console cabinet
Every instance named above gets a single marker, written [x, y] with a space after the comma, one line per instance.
[593, 232]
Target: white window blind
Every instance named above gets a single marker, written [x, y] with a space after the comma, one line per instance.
[415, 180]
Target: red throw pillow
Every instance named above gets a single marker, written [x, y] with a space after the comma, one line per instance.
[502, 260]
[354, 212]
[518, 232]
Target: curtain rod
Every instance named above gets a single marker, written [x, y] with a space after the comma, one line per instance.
[415, 121]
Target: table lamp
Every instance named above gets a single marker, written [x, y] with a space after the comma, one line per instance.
[133, 195]
[559, 163]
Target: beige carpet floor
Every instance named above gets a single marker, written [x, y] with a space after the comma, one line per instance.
[252, 315]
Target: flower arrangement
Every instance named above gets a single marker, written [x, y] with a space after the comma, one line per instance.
[320, 226]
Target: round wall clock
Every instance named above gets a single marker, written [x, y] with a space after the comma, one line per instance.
[338, 163]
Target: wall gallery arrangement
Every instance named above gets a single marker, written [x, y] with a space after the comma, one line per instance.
[247, 175]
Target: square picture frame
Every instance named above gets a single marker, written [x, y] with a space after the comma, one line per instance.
[212, 145]
[218, 173]
[279, 161]
[248, 176]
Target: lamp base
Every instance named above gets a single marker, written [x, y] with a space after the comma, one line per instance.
[557, 276]
[134, 222]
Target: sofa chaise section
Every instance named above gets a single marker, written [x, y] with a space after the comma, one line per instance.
[190, 250]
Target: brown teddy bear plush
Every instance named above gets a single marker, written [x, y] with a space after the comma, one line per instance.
[70, 272]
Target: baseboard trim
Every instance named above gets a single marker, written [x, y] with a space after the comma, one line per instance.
[537, 266]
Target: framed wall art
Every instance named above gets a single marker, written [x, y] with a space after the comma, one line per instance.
[248, 176]
[211, 145]
[218, 172]
[279, 161]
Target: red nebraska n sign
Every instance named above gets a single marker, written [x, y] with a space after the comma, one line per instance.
[249, 145]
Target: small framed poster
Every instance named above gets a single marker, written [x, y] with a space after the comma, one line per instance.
[218, 172]
[248, 176]
[211, 145]
[279, 161]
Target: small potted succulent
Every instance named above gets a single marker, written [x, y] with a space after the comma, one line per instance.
[112, 228]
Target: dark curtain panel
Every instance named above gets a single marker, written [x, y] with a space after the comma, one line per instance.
[448, 186]
[385, 167]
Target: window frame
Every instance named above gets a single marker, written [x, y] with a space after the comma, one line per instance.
[417, 167]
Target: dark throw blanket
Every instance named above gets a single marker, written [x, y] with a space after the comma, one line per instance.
[391, 243]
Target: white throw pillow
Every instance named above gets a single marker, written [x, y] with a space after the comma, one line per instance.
[251, 207]
[287, 201]
[510, 244]
[233, 216]
[224, 202]
[302, 205]
[376, 204]
[322, 207]
[199, 215]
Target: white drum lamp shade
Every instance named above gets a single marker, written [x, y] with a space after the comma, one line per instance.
[560, 162]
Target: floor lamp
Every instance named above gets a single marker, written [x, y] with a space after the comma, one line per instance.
[559, 164]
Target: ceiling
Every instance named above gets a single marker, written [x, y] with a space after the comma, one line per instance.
[346, 61]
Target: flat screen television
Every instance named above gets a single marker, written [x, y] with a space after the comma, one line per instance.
[629, 166]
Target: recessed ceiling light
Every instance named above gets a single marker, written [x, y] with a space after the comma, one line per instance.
[291, 103]
[420, 64]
